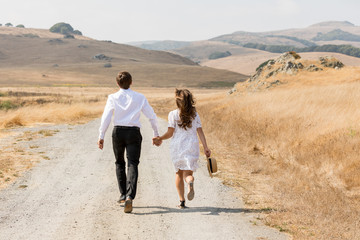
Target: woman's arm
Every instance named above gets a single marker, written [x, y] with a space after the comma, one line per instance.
[158, 140]
[203, 141]
[168, 134]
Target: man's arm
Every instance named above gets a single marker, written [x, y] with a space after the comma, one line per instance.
[105, 121]
[150, 114]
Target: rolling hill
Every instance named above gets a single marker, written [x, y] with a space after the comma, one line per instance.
[331, 32]
[49, 59]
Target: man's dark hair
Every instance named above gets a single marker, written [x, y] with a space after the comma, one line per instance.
[124, 80]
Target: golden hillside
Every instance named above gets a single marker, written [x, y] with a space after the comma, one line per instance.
[293, 147]
[27, 60]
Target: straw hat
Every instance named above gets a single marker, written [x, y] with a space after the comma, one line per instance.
[211, 165]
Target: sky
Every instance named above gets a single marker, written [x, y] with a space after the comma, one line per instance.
[183, 20]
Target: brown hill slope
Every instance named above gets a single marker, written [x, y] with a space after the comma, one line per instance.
[48, 61]
[25, 51]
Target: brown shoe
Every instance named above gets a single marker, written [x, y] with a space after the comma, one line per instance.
[191, 192]
[121, 199]
[128, 205]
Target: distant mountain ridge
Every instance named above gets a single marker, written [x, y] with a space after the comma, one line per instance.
[333, 24]
[329, 32]
[161, 45]
[337, 34]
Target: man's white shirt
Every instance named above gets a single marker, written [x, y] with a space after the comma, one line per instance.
[127, 105]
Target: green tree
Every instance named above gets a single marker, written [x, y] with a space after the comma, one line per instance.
[63, 28]
[77, 32]
[8, 25]
[20, 26]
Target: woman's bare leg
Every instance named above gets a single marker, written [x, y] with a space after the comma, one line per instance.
[179, 182]
[188, 176]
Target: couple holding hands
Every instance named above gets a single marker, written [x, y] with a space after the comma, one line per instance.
[184, 129]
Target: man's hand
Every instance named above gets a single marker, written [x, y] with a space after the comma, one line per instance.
[101, 143]
[157, 141]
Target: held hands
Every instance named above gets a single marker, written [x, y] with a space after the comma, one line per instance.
[157, 141]
[101, 143]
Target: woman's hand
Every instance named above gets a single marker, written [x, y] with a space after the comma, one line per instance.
[101, 143]
[207, 152]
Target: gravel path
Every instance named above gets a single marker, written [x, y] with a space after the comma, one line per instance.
[73, 196]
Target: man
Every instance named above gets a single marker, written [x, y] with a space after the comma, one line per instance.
[126, 105]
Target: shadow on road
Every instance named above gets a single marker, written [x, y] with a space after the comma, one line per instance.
[203, 210]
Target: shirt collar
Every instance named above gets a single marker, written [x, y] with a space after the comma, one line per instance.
[124, 90]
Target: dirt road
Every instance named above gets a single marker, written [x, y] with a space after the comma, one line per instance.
[73, 196]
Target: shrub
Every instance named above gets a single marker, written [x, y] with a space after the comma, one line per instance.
[217, 55]
[77, 32]
[20, 26]
[0, 24]
[8, 25]
[264, 64]
[6, 105]
[107, 65]
[62, 28]
[30, 35]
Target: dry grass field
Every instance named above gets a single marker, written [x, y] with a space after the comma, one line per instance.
[295, 150]
[292, 151]
[29, 107]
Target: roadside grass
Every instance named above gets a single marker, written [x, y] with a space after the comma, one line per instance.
[292, 151]
[46, 105]
[30, 106]
[295, 150]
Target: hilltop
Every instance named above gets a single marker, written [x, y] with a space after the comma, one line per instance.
[290, 70]
[37, 56]
[34, 33]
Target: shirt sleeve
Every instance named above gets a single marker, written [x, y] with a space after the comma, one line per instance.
[197, 121]
[106, 117]
[148, 111]
[171, 120]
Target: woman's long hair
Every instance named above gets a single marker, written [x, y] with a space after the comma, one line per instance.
[186, 104]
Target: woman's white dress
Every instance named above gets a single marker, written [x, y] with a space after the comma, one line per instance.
[184, 146]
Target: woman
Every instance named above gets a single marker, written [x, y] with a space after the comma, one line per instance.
[184, 126]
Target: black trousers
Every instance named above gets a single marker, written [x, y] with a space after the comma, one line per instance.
[129, 139]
